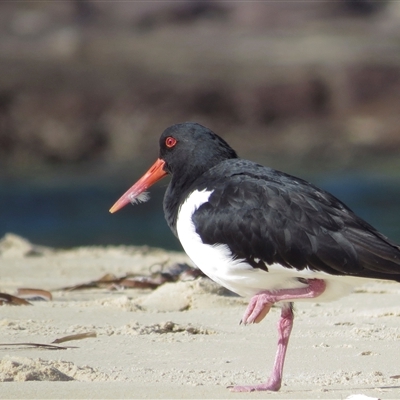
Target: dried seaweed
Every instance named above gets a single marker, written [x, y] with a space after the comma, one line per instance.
[9, 299]
[53, 346]
[104, 282]
[34, 294]
[77, 336]
[40, 345]
[176, 272]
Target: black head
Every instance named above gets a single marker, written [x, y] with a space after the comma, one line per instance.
[186, 152]
[191, 146]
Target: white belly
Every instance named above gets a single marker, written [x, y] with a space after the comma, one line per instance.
[238, 276]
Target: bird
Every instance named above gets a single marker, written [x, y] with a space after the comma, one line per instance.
[261, 233]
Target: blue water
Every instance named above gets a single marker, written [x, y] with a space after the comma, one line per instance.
[66, 215]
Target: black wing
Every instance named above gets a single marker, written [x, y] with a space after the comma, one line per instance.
[263, 214]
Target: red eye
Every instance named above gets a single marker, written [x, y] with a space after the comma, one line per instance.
[170, 141]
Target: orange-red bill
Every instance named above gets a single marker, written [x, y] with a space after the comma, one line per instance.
[154, 174]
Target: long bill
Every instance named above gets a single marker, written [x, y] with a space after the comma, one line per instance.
[154, 174]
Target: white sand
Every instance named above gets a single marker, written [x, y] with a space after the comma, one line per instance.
[182, 340]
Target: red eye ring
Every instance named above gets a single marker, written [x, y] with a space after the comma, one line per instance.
[170, 141]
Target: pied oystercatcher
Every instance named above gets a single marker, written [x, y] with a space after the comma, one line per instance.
[260, 232]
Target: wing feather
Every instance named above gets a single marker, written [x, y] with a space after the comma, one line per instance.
[276, 218]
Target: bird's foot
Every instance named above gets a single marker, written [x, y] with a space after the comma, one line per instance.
[256, 310]
[271, 386]
[261, 303]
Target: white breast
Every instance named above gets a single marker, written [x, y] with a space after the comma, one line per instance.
[238, 276]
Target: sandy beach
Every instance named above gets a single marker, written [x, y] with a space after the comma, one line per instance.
[179, 339]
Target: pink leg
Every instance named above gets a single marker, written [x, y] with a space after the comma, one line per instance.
[256, 311]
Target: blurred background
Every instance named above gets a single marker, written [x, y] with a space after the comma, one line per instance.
[87, 87]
